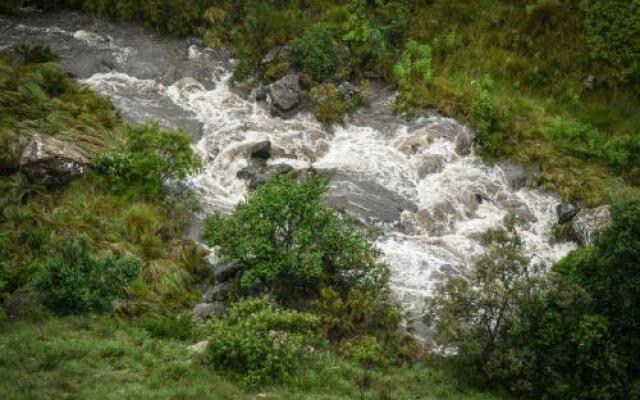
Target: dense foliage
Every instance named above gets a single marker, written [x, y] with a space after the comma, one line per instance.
[288, 244]
[570, 335]
[261, 342]
[36, 222]
[74, 281]
[151, 158]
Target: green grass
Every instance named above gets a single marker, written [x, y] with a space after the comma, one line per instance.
[108, 358]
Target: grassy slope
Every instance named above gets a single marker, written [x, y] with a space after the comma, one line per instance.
[106, 358]
[40, 98]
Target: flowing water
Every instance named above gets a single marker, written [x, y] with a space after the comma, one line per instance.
[417, 180]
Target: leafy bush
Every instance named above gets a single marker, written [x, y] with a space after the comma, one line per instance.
[261, 341]
[169, 327]
[472, 316]
[151, 158]
[569, 335]
[288, 244]
[361, 313]
[330, 105]
[369, 359]
[74, 280]
[413, 71]
[613, 32]
[315, 52]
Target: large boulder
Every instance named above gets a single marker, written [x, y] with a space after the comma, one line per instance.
[50, 161]
[259, 175]
[365, 199]
[284, 94]
[588, 222]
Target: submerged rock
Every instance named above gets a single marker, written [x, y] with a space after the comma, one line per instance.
[50, 161]
[260, 150]
[259, 175]
[284, 94]
[566, 212]
[365, 199]
[430, 164]
[189, 85]
[588, 222]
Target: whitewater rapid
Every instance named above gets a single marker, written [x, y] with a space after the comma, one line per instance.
[428, 194]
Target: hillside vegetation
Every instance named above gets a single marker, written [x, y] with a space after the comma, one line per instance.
[97, 282]
[552, 83]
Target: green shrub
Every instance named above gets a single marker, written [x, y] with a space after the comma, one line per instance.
[472, 316]
[261, 342]
[151, 158]
[329, 104]
[169, 327]
[613, 36]
[413, 72]
[361, 313]
[74, 280]
[288, 244]
[315, 52]
[569, 335]
[369, 360]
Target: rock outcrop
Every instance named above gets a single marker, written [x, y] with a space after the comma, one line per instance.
[284, 94]
[50, 161]
[588, 222]
[205, 311]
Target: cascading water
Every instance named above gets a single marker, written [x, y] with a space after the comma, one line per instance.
[418, 181]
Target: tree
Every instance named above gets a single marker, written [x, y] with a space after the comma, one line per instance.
[288, 244]
[472, 315]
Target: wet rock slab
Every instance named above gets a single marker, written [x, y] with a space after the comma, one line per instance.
[365, 199]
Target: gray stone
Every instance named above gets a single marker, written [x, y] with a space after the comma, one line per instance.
[284, 94]
[50, 161]
[205, 311]
[589, 82]
[587, 222]
[430, 165]
[224, 271]
[464, 141]
[259, 175]
[261, 150]
[518, 176]
[347, 90]
[199, 348]
[215, 293]
[278, 52]
[189, 85]
[566, 211]
[365, 199]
